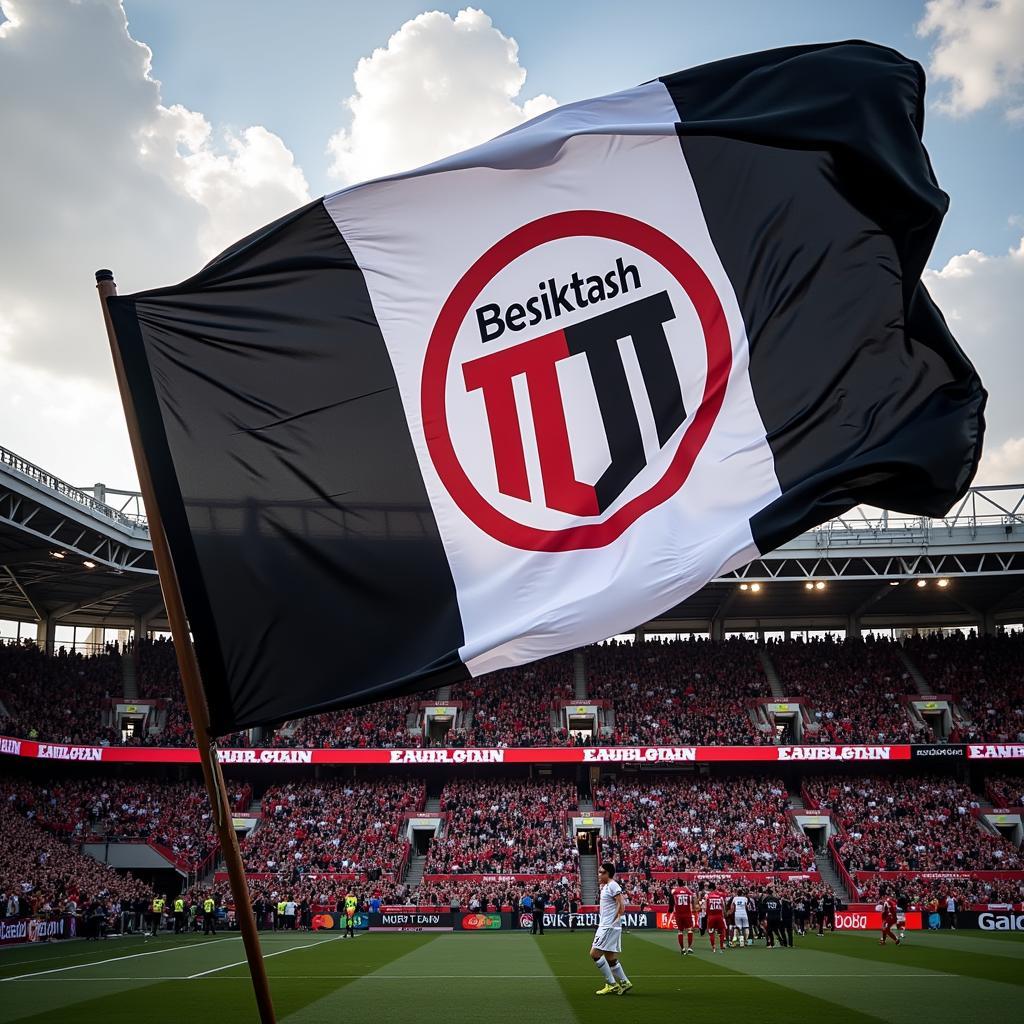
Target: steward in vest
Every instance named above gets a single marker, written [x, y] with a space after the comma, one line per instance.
[179, 916]
[156, 911]
[209, 905]
[281, 904]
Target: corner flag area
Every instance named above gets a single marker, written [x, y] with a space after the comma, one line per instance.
[411, 977]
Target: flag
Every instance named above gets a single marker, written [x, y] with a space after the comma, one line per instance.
[539, 392]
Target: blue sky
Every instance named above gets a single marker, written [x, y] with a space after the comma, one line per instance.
[289, 67]
[150, 146]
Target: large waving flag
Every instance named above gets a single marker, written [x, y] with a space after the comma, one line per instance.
[537, 393]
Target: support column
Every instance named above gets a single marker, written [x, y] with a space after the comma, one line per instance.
[853, 626]
[46, 630]
[638, 635]
[140, 626]
[717, 629]
[988, 624]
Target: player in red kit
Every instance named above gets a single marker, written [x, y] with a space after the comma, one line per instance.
[889, 912]
[714, 906]
[684, 904]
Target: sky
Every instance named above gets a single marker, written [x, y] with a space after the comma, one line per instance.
[147, 135]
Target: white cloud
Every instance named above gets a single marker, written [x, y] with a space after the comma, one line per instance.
[97, 171]
[1003, 464]
[982, 298]
[439, 86]
[979, 52]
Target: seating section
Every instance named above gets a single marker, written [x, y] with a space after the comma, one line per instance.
[984, 675]
[914, 823]
[46, 871]
[682, 824]
[680, 692]
[512, 707]
[383, 724]
[1005, 790]
[966, 891]
[333, 826]
[851, 687]
[505, 827]
[56, 699]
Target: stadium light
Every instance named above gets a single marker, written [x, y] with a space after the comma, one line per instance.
[894, 583]
[943, 583]
[88, 564]
[744, 586]
[808, 585]
[922, 583]
[820, 585]
[755, 587]
[56, 554]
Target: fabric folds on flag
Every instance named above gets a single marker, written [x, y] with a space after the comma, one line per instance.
[537, 393]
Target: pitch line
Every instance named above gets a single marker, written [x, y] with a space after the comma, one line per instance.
[238, 963]
[116, 959]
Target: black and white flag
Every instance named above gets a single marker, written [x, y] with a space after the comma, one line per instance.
[535, 394]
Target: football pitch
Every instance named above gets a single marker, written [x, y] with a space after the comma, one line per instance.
[508, 977]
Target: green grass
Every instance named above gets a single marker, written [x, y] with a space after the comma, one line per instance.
[507, 978]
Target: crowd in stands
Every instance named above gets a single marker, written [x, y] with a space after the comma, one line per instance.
[503, 827]
[333, 826]
[909, 824]
[383, 724]
[512, 707]
[57, 699]
[985, 677]
[173, 815]
[680, 691]
[851, 687]
[1005, 790]
[965, 891]
[682, 824]
[46, 873]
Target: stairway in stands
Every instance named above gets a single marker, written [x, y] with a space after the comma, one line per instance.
[772, 676]
[915, 673]
[414, 873]
[830, 876]
[129, 682]
[433, 800]
[579, 665]
[588, 878]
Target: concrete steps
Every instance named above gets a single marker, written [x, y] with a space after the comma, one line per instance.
[579, 667]
[589, 888]
[414, 873]
[129, 680]
[830, 876]
[915, 673]
[771, 675]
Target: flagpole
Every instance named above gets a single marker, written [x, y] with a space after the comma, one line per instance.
[195, 697]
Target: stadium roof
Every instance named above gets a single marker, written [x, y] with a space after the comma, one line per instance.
[66, 554]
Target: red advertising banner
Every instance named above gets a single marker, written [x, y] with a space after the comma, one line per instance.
[417, 757]
[494, 878]
[866, 917]
[760, 877]
[938, 876]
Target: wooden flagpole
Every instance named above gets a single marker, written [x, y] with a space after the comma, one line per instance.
[195, 697]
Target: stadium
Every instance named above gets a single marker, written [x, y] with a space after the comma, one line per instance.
[839, 720]
[562, 545]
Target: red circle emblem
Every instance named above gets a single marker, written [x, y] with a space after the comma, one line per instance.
[586, 223]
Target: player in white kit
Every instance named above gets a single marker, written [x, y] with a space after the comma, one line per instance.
[741, 922]
[607, 943]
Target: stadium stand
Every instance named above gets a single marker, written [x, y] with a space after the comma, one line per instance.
[56, 699]
[331, 826]
[512, 707]
[672, 824]
[1005, 790]
[910, 823]
[383, 724]
[679, 692]
[851, 688]
[45, 871]
[985, 677]
[504, 827]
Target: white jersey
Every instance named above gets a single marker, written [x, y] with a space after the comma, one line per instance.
[609, 907]
[739, 904]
